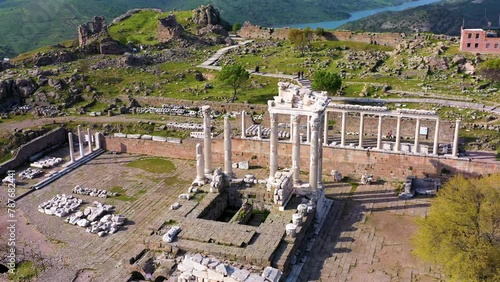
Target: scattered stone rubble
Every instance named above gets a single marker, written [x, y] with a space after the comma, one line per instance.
[173, 110]
[46, 162]
[9, 179]
[60, 205]
[283, 187]
[199, 268]
[253, 130]
[93, 192]
[98, 219]
[30, 173]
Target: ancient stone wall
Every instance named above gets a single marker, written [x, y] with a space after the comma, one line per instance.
[54, 138]
[91, 30]
[347, 161]
[168, 29]
[249, 30]
[215, 209]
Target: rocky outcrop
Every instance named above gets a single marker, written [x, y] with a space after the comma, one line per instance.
[169, 29]
[209, 21]
[109, 46]
[16, 89]
[53, 57]
[93, 37]
[5, 65]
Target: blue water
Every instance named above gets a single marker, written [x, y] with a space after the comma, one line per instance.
[362, 14]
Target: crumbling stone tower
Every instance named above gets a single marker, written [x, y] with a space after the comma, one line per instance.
[90, 31]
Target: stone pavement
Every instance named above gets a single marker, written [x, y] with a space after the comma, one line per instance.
[367, 238]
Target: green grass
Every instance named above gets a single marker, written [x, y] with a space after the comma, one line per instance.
[140, 28]
[153, 165]
[25, 271]
[5, 158]
[122, 195]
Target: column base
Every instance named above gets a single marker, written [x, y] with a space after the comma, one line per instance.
[200, 181]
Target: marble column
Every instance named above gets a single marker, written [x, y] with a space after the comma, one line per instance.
[243, 134]
[342, 130]
[417, 134]
[361, 129]
[455, 138]
[89, 133]
[259, 132]
[207, 142]
[308, 130]
[71, 149]
[325, 129]
[97, 140]
[200, 165]
[228, 163]
[379, 133]
[435, 148]
[80, 141]
[273, 156]
[398, 135]
[291, 128]
[296, 149]
[320, 154]
[313, 163]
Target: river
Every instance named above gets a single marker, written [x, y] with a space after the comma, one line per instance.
[361, 14]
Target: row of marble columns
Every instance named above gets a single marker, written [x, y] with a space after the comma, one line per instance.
[204, 153]
[397, 146]
[315, 164]
[81, 139]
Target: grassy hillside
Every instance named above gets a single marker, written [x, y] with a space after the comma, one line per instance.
[441, 18]
[29, 24]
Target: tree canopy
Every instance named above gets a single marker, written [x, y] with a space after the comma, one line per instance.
[300, 38]
[326, 81]
[462, 230]
[235, 76]
[490, 70]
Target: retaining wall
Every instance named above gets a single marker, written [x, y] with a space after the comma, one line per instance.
[348, 161]
[53, 138]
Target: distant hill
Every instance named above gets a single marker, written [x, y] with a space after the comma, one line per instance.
[440, 18]
[28, 24]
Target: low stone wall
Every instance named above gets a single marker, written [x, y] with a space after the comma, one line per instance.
[249, 30]
[348, 161]
[53, 138]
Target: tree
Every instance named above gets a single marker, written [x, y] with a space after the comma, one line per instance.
[300, 38]
[462, 230]
[234, 76]
[490, 70]
[236, 27]
[326, 81]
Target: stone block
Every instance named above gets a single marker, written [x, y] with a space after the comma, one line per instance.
[244, 165]
[240, 275]
[214, 276]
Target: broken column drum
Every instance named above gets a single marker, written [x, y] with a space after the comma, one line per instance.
[207, 138]
[200, 165]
